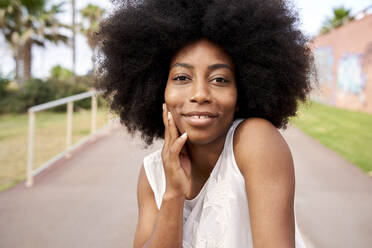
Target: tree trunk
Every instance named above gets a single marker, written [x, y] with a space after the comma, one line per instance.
[27, 60]
[73, 42]
[94, 61]
[16, 60]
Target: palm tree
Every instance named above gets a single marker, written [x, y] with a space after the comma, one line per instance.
[44, 27]
[25, 23]
[12, 19]
[340, 16]
[89, 26]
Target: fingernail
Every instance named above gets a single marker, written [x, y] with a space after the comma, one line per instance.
[184, 135]
[169, 115]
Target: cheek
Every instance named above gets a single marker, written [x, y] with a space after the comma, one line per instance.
[174, 98]
[229, 100]
[170, 96]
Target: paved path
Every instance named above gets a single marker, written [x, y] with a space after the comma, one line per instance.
[89, 200]
[333, 197]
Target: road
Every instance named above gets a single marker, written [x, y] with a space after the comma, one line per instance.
[333, 197]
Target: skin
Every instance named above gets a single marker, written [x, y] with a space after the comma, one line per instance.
[201, 78]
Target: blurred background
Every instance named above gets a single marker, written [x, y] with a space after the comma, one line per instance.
[48, 51]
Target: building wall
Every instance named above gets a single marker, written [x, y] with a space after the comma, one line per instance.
[343, 59]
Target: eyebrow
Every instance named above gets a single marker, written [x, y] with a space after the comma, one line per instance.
[210, 68]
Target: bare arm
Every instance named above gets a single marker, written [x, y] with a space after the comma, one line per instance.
[157, 228]
[266, 163]
[164, 229]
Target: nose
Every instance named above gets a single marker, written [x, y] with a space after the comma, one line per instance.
[200, 92]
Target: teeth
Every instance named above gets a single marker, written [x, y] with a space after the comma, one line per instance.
[200, 116]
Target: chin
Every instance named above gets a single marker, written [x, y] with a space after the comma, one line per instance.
[200, 137]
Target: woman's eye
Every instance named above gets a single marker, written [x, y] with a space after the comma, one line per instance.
[180, 78]
[220, 80]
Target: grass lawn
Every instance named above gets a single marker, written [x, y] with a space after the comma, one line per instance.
[349, 133]
[50, 139]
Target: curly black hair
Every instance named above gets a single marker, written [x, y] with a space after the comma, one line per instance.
[272, 58]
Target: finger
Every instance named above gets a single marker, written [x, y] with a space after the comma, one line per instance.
[165, 121]
[173, 132]
[177, 146]
[183, 151]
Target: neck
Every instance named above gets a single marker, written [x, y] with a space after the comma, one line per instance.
[204, 157]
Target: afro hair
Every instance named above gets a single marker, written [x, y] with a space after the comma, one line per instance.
[272, 56]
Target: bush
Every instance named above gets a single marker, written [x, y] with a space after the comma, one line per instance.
[9, 99]
[60, 73]
[65, 89]
[3, 84]
[87, 80]
[37, 91]
[12, 103]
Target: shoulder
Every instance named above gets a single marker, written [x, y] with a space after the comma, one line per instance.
[266, 164]
[259, 148]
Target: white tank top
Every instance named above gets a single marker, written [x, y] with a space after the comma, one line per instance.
[219, 215]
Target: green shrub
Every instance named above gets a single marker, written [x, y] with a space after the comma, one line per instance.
[60, 73]
[9, 98]
[65, 89]
[36, 91]
[12, 103]
[87, 80]
[3, 84]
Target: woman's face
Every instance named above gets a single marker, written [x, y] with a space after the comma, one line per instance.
[201, 91]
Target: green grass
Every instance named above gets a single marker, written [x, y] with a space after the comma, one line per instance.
[349, 133]
[50, 139]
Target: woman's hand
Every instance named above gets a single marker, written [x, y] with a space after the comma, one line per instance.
[177, 165]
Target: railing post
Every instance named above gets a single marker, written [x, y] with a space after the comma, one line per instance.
[31, 172]
[70, 109]
[30, 152]
[93, 124]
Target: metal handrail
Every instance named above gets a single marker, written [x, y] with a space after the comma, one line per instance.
[70, 104]
[61, 101]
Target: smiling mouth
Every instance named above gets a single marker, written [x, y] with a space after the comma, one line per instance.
[199, 119]
[198, 116]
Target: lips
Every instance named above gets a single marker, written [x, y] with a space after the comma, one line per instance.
[199, 119]
[200, 114]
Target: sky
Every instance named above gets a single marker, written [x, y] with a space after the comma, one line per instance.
[312, 14]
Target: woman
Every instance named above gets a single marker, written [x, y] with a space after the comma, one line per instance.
[215, 79]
